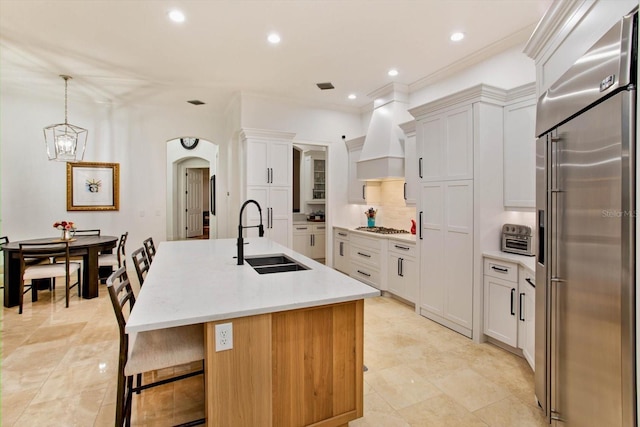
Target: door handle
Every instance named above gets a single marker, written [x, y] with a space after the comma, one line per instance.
[212, 193]
[399, 268]
[341, 248]
[420, 225]
[405, 191]
[271, 175]
[271, 217]
[521, 307]
[420, 167]
[513, 294]
[363, 195]
[268, 176]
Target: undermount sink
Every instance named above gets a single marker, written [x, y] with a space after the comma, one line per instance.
[276, 263]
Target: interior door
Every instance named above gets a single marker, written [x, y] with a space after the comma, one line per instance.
[194, 206]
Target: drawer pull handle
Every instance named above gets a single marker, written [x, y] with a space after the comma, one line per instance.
[301, 228]
[342, 234]
[364, 255]
[404, 248]
[500, 269]
[529, 281]
[363, 273]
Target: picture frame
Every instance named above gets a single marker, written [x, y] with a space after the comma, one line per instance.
[93, 186]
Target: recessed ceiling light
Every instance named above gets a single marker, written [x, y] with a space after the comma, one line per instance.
[456, 37]
[273, 38]
[393, 72]
[176, 15]
[352, 96]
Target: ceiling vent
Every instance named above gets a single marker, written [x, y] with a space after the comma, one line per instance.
[325, 86]
[196, 102]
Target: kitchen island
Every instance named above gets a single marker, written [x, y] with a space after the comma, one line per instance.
[297, 355]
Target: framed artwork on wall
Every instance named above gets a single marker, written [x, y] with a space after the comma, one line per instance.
[93, 186]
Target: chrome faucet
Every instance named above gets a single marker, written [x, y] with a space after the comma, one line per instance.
[241, 227]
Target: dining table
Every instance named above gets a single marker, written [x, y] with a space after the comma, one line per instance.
[87, 247]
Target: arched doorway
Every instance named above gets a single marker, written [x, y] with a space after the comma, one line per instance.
[203, 158]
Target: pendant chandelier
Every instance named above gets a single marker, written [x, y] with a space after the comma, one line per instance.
[65, 142]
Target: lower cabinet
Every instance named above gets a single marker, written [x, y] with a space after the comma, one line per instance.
[341, 260]
[310, 240]
[509, 305]
[402, 273]
[365, 255]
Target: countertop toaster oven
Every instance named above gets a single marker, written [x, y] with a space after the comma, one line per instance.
[517, 239]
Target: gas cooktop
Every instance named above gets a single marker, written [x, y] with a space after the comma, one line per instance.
[382, 230]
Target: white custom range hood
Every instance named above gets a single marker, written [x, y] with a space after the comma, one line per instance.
[383, 150]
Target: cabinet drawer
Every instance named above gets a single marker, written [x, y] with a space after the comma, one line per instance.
[340, 234]
[501, 269]
[301, 228]
[365, 256]
[365, 274]
[406, 249]
[319, 229]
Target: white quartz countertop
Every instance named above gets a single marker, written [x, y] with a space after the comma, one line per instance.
[199, 281]
[525, 261]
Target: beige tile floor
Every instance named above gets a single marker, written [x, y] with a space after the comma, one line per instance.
[59, 369]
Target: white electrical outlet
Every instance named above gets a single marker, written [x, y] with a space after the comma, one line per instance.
[224, 336]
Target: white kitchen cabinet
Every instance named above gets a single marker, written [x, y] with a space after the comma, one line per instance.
[459, 148]
[269, 162]
[446, 268]
[445, 151]
[269, 172]
[276, 212]
[309, 240]
[519, 148]
[366, 255]
[501, 301]
[509, 305]
[411, 178]
[341, 259]
[402, 271]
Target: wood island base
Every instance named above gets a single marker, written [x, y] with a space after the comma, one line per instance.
[293, 368]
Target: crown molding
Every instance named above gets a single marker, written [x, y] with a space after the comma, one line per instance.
[409, 128]
[355, 143]
[478, 93]
[251, 133]
[559, 18]
[518, 93]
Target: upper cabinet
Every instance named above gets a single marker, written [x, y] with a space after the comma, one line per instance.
[411, 187]
[520, 148]
[449, 155]
[268, 160]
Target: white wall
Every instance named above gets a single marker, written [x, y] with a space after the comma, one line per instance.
[33, 189]
[507, 70]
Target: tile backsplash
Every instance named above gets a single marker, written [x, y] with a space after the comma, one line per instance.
[388, 199]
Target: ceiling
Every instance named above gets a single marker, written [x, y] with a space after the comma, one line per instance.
[128, 51]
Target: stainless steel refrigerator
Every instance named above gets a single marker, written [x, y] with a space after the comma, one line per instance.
[586, 211]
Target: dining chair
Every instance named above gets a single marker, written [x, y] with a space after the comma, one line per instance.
[48, 255]
[141, 263]
[149, 350]
[115, 260]
[150, 248]
[87, 232]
